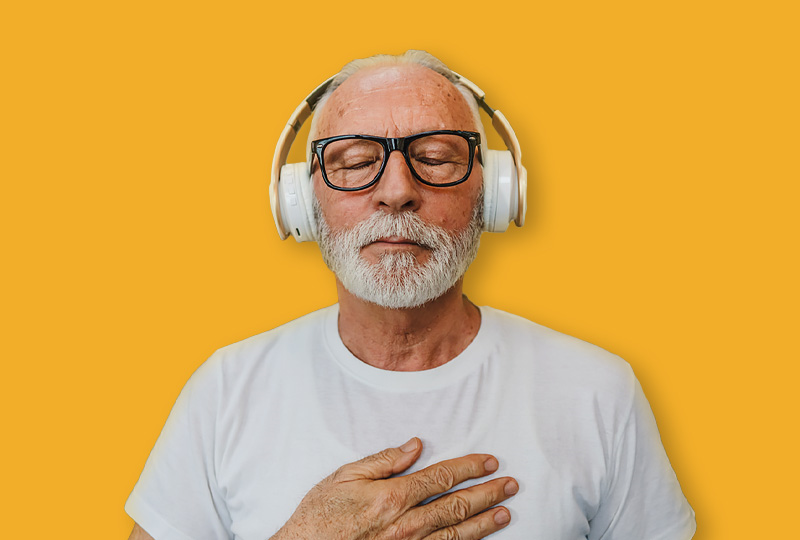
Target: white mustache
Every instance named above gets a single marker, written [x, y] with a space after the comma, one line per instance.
[406, 225]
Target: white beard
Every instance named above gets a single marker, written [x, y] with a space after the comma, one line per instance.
[398, 280]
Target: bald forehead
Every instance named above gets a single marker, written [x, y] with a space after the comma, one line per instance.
[394, 101]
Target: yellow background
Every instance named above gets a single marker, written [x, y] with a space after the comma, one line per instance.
[662, 143]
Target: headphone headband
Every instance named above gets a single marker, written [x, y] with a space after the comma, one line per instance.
[296, 121]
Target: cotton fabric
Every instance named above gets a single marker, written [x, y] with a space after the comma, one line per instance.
[265, 419]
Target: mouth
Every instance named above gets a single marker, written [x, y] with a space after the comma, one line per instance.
[395, 241]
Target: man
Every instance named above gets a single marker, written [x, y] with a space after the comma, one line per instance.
[513, 428]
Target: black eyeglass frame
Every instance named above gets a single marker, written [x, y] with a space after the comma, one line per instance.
[390, 144]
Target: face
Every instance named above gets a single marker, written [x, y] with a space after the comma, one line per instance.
[405, 241]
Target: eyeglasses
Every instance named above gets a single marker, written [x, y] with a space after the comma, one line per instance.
[439, 158]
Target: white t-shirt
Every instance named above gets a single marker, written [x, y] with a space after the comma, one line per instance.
[265, 419]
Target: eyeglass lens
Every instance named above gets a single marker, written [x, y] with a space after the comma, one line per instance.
[436, 158]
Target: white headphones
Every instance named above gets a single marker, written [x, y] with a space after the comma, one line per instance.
[505, 179]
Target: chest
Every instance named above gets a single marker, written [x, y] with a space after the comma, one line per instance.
[276, 456]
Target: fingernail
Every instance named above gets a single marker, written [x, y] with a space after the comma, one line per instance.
[490, 465]
[410, 446]
[511, 488]
[501, 517]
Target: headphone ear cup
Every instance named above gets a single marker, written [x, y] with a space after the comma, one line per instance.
[489, 188]
[295, 198]
[501, 190]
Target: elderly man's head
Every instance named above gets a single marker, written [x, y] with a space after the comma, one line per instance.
[400, 242]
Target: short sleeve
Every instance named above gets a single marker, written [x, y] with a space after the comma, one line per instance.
[643, 498]
[177, 496]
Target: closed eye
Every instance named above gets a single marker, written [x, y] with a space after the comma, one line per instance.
[360, 165]
[432, 161]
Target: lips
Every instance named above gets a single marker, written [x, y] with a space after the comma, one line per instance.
[395, 240]
[398, 241]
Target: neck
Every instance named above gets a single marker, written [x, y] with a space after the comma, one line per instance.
[413, 339]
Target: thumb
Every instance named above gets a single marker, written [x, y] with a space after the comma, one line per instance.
[383, 464]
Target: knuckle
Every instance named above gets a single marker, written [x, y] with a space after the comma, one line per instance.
[417, 485]
[475, 528]
[459, 507]
[344, 473]
[443, 477]
[435, 518]
[372, 458]
[449, 533]
[473, 464]
[398, 531]
[384, 458]
[388, 502]
[494, 495]
[336, 476]
[383, 455]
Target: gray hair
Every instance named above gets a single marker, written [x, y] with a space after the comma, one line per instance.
[410, 57]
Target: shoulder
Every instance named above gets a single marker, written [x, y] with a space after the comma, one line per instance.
[580, 395]
[301, 330]
[274, 352]
[559, 360]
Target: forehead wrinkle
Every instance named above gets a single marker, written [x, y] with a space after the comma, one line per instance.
[400, 99]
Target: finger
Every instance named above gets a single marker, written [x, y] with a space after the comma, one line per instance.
[383, 464]
[475, 528]
[445, 475]
[459, 506]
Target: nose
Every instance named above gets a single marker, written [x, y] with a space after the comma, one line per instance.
[397, 190]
